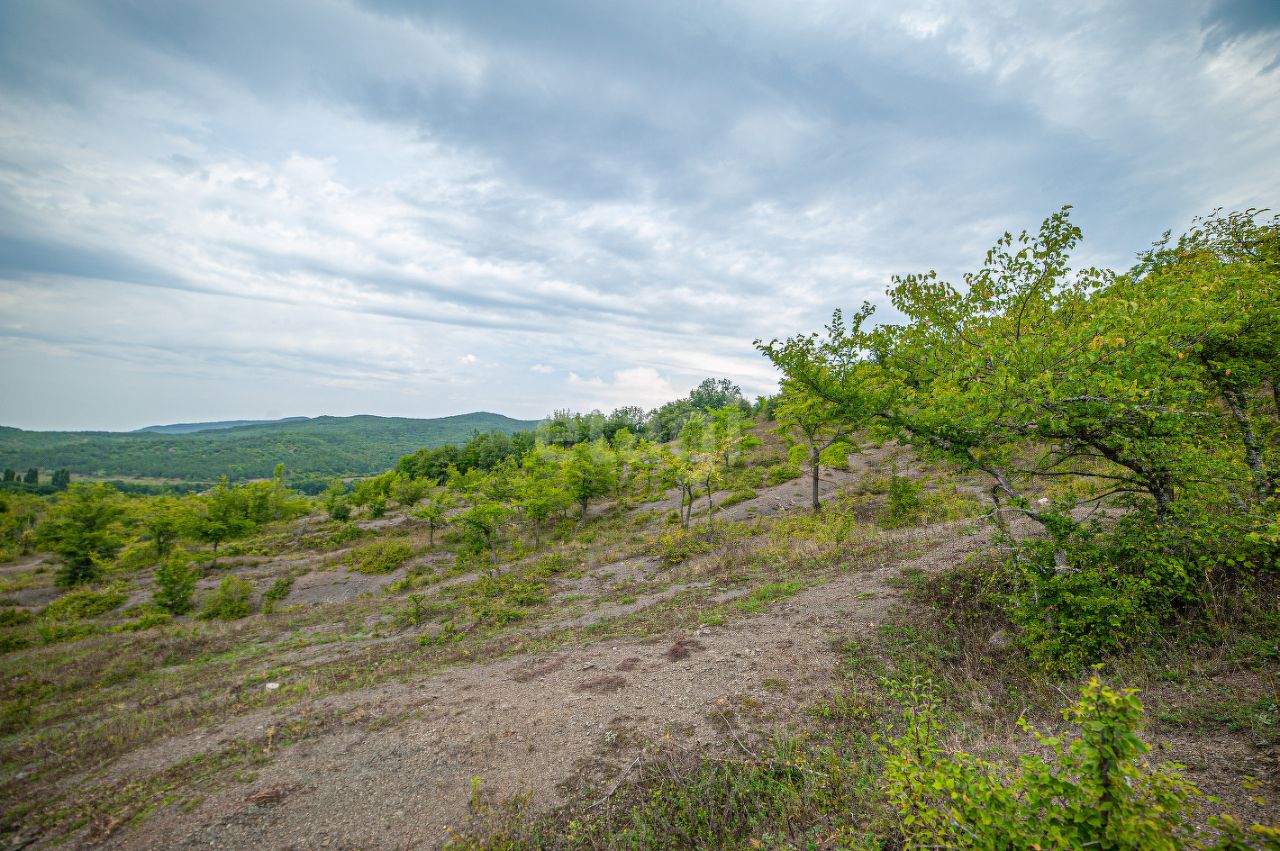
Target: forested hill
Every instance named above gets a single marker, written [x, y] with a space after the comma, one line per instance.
[189, 428]
[309, 448]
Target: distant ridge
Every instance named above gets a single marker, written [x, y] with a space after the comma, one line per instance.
[311, 448]
[191, 428]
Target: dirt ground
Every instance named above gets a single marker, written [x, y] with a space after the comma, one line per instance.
[397, 773]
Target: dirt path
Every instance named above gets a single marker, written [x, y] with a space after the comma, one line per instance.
[396, 772]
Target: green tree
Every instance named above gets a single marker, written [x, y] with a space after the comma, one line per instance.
[176, 579]
[334, 500]
[83, 528]
[164, 520]
[32, 477]
[589, 473]
[830, 388]
[484, 521]
[61, 479]
[434, 511]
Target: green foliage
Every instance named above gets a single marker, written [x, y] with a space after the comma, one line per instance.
[83, 527]
[176, 579]
[676, 546]
[232, 600]
[83, 603]
[780, 473]
[15, 617]
[277, 593]
[378, 557]
[335, 502]
[738, 496]
[904, 508]
[1094, 790]
[760, 598]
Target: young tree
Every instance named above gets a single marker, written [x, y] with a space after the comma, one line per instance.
[484, 521]
[434, 511]
[830, 388]
[176, 580]
[83, 527]
[61, 479]
[219, 516]
[820, 433]
[164, 521]
[33, 476]
[589, 473]
[334, 500]
[409, 491]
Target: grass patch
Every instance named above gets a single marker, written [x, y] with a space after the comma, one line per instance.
[379, 557]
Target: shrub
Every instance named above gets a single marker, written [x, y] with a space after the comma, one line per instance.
[904, 502]
[231, 600]
[741, 495]
[276, 594]
[176, 580]
[75, 605]
[779, 473]
[1094, 790]
[379, 556]
[146, 621]
[677, 546]
[15, 617]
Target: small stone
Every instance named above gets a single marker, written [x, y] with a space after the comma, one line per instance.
[272, 686]
[588, 666]
[999, 640]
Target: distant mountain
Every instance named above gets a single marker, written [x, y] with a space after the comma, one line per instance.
[189, 428]
[310, 448]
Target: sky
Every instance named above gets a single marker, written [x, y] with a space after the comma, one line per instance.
[254, 209]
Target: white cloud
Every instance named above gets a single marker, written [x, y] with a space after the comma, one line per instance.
[373, 200]
[640, 385]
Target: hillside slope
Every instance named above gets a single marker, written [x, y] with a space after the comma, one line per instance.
[321, 446]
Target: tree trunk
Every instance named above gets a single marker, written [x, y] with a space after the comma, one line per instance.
[813, 464]
[584, 512]
[493, 548]
[1252, 451]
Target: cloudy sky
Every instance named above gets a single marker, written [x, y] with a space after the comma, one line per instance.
[214, 210]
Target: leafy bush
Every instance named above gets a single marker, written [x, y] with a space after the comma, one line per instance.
[1094, 790]
[146, 621]
[11, 640]
[379, 556]
[176, 580]
[75, 605]
[676, 546]
[779, 473]
[278, 591]
[231, 600]
[15, 617]
[904, 507]
[740, 495]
